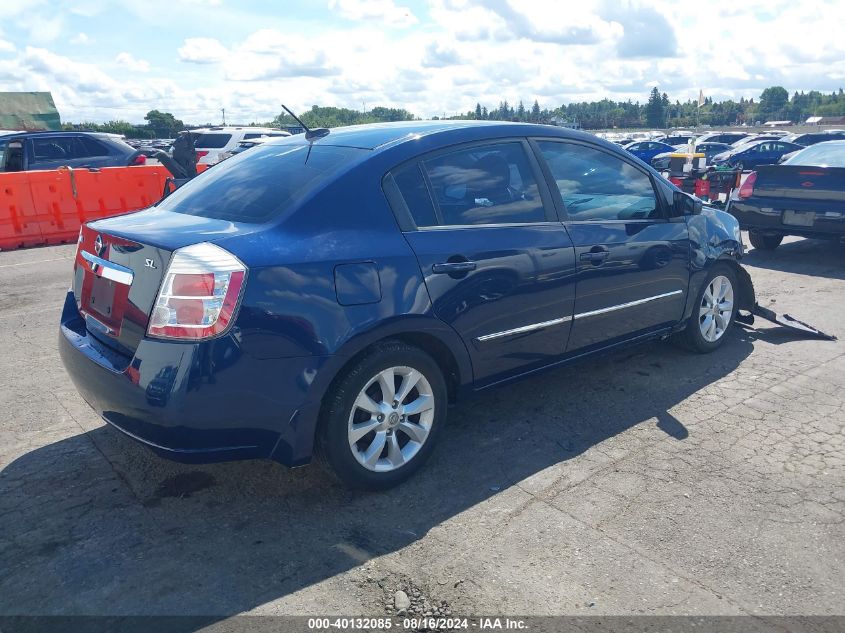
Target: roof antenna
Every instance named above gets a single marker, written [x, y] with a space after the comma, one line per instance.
[310, 134]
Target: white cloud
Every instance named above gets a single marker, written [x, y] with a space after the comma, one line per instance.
[127, 60]
[440, 56]
[384, 11]
[202, 50]
[80, 38]
[269, 54]
[44, 29]
[461, 52]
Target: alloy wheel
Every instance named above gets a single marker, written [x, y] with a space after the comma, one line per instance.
[391, 419]
[716, 309]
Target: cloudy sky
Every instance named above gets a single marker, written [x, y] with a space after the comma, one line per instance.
[118, 59]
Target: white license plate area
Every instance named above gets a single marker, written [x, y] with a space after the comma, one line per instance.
[799, 218]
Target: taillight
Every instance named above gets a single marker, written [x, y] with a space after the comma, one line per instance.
[199, 294]
[201, 153]
[746, 189]
[140, 159]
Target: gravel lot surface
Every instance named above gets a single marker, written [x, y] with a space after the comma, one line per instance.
[651, 481]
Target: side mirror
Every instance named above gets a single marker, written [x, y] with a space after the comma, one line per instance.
[685, 204]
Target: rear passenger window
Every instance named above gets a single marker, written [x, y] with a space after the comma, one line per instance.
[596, 185]
[488, 184]
[412, 186]
[93, 147]
[57, 148]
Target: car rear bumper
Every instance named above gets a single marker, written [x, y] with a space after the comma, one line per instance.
[196, 402]
[830, 224]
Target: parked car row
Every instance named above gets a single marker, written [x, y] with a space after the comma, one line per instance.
[733, 149]
[645, 145]
[155, 143]
[754, 154]
[22, 151]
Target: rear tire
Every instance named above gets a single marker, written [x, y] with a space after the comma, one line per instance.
[713, 311]
[382, 418]
[764, 242]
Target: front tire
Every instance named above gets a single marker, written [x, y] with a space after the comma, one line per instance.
[764, 242]
[713, 312]
[381, 420]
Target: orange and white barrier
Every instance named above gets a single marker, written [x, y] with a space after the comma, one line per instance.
[48, 207]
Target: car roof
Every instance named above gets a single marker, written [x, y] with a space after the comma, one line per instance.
[380, 136]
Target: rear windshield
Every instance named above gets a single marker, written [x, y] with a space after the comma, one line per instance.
[822, 155]
[212, 141]
[259, 185]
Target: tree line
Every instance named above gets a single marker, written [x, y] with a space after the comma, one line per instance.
[658, 111]
[166, 125]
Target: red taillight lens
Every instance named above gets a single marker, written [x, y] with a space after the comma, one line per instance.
[188, 311]
[199, 295]
[140, 159]
[198, 285]
[201, 153]
[746, 189]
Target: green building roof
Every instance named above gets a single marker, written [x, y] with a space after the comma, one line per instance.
[28, 111]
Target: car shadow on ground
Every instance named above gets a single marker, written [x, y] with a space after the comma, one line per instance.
[95, 524]
[820, 258]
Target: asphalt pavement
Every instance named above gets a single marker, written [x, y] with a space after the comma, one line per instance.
[651, 481]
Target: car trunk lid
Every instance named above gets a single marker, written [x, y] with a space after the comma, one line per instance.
[800, 182]
[119, 266]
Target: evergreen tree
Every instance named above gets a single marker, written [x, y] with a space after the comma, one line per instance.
[654, 110]
[477, 110]
[535, 112]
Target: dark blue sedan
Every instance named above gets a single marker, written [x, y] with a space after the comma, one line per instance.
[755, 153]
[336, 293]
[646, 150]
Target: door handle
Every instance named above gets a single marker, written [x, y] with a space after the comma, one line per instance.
[450, 268]
[595, 255]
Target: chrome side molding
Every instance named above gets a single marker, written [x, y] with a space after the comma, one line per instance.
[524, 329]
[630, 304]
[539, 326]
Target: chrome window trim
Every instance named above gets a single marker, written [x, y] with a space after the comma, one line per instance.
[544, 324]
[507, 225]
[109, 270]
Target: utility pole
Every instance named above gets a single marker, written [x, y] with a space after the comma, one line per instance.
[223, 110]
